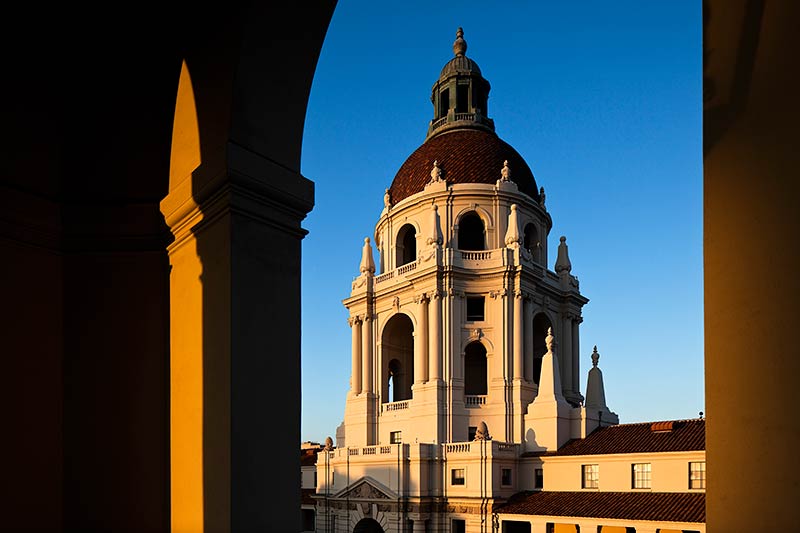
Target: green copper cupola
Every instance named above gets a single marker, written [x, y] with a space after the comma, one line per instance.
[460, 96]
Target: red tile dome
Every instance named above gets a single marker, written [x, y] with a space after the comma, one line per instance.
[465, 156]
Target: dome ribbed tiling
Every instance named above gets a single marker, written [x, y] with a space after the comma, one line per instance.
[465, 156]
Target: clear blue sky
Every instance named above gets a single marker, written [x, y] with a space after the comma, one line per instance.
[602, 99]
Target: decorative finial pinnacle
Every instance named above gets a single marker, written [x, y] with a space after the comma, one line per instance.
[436, 173]
[541, 196]
[506, 172]
[550, 340]
[366, 240]
[595, 356]
[460, 45]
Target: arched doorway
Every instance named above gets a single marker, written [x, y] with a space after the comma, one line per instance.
[368, 525]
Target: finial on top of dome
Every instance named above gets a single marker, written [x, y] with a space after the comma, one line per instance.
[595, 356]
[460, 45]
[541, 196]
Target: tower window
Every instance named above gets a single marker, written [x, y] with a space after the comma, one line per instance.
[471, 431]
[457, 476]
[462, 93]
[470, 232]
[395, 437]
[538, 481]
[475, 308]
[475, 378]
[505, 477]
[444, 102]
[406, 245]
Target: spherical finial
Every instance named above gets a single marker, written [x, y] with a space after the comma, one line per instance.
[563, 239]
[366, 240]
[460, 45]
[513, 207]
[595, 356]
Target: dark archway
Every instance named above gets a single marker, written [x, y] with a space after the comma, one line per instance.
[531, 242]
[368, 525]
[397, 348]
[406, 245]
[475, 373]
[471, 232]
[541, 323]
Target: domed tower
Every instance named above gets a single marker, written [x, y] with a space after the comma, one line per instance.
[464, 344]
[451, 330]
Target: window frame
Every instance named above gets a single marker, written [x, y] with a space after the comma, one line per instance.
[588, 481]
[395, 437]
[503, 482]
[460, 481]
[641, 476]
[701, 480]
[538, 478]
[475, 298]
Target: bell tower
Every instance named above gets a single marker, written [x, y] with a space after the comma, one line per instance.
[464, 323]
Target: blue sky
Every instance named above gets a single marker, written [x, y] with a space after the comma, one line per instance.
[602, 99]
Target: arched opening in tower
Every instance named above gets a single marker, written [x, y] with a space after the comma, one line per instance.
[531, 242]
[540, 325]
[397, 345]
[471, 232]
[475, 376]
[406, 245]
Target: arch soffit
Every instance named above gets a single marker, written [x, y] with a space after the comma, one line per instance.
[385, 322]
[547, 313]
[487, 344]
[413, 223]
[485, 216]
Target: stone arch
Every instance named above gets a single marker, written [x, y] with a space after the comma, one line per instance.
[406, 244]
[476, 369]
[477, 238]
[136, 169]
[368, 525]
[531, 241]
[397, 358]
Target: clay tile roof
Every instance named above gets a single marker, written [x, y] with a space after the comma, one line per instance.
[655, 506]
[671, 436]
[465, 156]
[308, 457]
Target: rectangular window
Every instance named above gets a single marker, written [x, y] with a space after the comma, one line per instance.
[315, 478]
[459, 526]
[640, 475]
[505, 477]
[538, 479]
[395, 437]
[471, 433]
[697, 475]
[462, 96]
[590, 476]
[475, 308]
[457, 476]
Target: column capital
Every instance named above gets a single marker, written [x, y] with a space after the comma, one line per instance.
[421, 298]
[437, 294]
[518, 293]
[353, 320]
